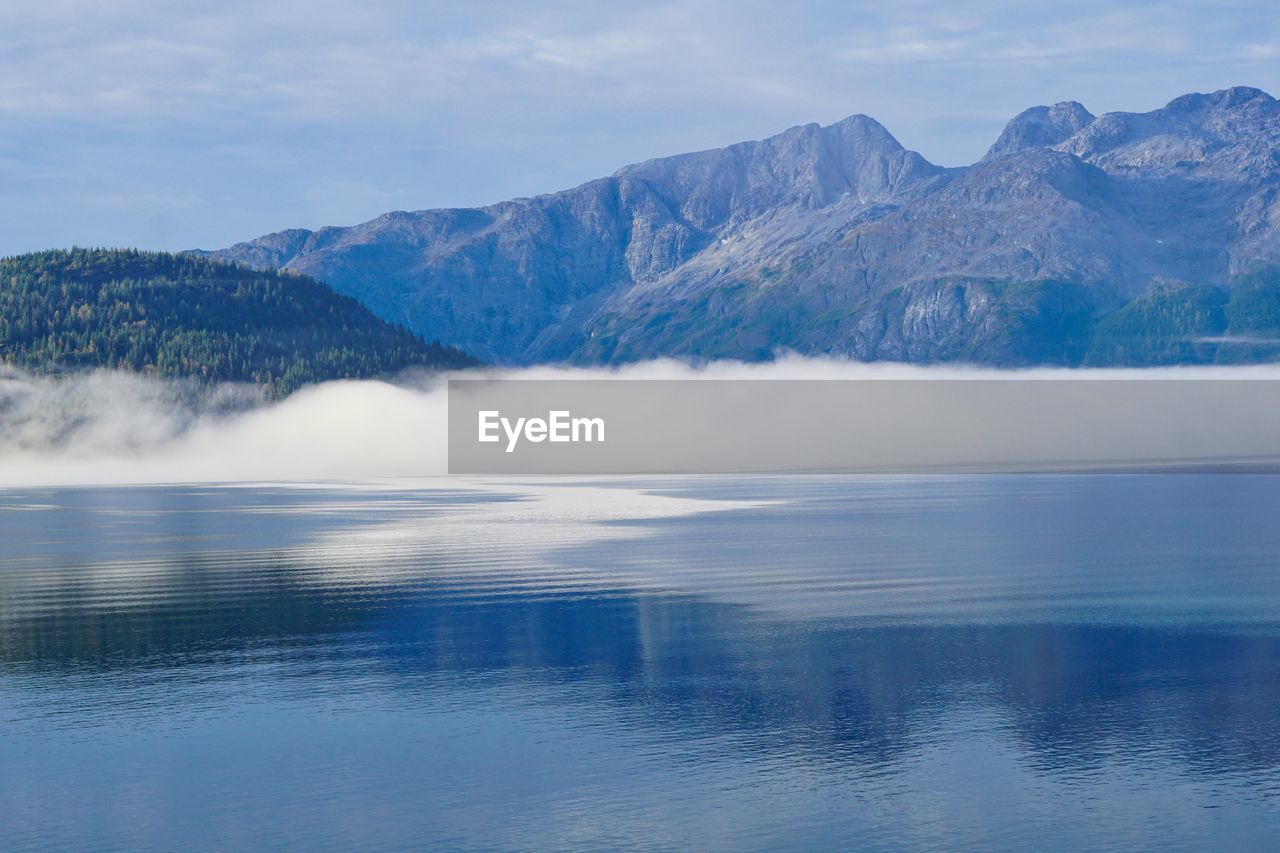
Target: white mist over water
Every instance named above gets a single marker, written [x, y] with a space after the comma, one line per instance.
[108, 427]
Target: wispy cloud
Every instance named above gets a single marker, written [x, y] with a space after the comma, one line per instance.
[257, 108]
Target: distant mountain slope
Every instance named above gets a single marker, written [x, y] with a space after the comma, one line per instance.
[179, 315]
[838, 240]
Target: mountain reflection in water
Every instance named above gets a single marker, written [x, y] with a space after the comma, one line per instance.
[1061, 661]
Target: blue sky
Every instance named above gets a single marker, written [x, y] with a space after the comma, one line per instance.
[174, 125]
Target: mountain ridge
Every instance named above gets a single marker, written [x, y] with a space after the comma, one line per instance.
[827, 239]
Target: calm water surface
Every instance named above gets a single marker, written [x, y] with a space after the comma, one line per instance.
[1050, 662]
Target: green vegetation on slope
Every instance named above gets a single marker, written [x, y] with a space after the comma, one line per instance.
[181, 315]
[1194, 325]
[1255, 303]
[1162, 327]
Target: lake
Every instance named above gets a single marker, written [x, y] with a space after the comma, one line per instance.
[1064, 662]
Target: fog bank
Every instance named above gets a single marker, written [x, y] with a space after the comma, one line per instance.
[107, 427]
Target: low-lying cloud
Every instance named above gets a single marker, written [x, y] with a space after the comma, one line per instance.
[108, 427]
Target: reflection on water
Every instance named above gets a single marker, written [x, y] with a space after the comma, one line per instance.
[1059, 661]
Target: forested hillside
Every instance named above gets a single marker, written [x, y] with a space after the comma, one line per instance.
[179, 315]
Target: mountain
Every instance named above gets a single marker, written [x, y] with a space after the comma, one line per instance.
[838, 240]
[179, 315]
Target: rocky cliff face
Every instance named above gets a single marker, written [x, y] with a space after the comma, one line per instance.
[834, 239]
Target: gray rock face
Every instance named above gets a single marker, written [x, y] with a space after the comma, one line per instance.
[1040, 127]
[833, 239]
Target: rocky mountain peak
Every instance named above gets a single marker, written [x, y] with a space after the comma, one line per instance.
[809, 166]
[1040, 127]
[1223, 99]
[864, 132]
[1228, 132]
